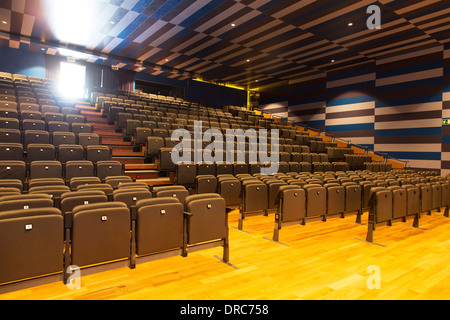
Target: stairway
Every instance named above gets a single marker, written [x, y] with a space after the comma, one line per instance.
[123, 151]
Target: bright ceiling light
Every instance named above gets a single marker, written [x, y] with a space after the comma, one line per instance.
[74, 54]
[350, 24]
[73, 22]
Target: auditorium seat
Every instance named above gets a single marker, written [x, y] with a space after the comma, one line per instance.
[207, 223]
[31, 243]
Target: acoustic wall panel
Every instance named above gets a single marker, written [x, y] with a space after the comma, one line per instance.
[350, 104]
[307, 101]
[409, 101]
[445, 164]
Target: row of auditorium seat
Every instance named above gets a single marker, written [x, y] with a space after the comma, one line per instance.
[86, 228]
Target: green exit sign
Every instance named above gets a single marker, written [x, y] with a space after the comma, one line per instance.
[446, 122]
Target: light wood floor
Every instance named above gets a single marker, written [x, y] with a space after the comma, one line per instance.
[321, 260]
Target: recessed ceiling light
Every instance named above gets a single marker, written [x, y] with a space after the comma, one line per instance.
[167, 59]
[4, 22]
[112, 22]
[233, 25]
[333, 60]
[350, 24]
[248, 60]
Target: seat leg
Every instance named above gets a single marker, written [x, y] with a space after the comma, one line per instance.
[446, 211]
[358, 217]
[276, 231]
[226, 250]
[416, 221]
[241, 220]
[133, 245]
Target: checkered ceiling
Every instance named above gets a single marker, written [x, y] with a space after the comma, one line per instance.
[243, 42]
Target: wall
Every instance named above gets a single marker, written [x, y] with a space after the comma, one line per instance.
[22, 62]
[394, 105]
[214, 95]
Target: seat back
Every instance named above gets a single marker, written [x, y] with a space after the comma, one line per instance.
[159, 225]
[31, 243]
[100, 233]
[208, 220]
[292, 203]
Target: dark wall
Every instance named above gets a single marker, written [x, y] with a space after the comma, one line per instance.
[22, 62]
[214, 95]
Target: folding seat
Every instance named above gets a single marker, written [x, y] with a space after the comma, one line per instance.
[413, 203]
[10, 169]
[45, 169]
[40, 182]
[116, 181]
[205, 184]
[239, 168]
[295, 166]
[25, 201]
[207, 223]
[185, 174]
[10, 136]
[74, 118]
[130, 196]
[317, 167]
[78, 168]
[86, 139]
[95, 153]
[98, 233]
[254, 200]
[225, 168]
[229, 188]
[426, 198]
[273, 187]
[316, 200]
[335, 199]
[206, 169]
[153, 145]
[31, 244]
[104, 187]
[9, 123]
[445, 196]
[149, 124]
[436, 196]
[50, 108]
[70, 200]
[6, 112]
[31, 114]
[55, 191]
[35, 136]
[51, 116]
[141, 134]
[33, 124]
[11, 151]
[37, 151]
[57, 126]
[291, 208]
[399, 203]
[11, 184]
[354, 198]
[78, 128]
[131, 125]
[380, 209]
[175, 191]
[7, 191]
[108, 168]
[75, 182]
[157, 227]
[163, 133]
[306, 166]
[306, 157]
[283, 167]
[67, 152]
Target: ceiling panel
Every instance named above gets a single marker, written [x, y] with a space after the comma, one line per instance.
[240, 41]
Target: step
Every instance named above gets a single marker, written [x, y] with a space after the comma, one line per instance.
[132, 161]
[115, 141]
[157, 182]
[126, 151]
[107, 132]
[141, 166]
[143, 174]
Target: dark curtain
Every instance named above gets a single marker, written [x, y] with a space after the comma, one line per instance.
[114, 80]
[52, 67]
[93, 75]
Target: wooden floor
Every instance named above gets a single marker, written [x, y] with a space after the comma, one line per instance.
[321, 260]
